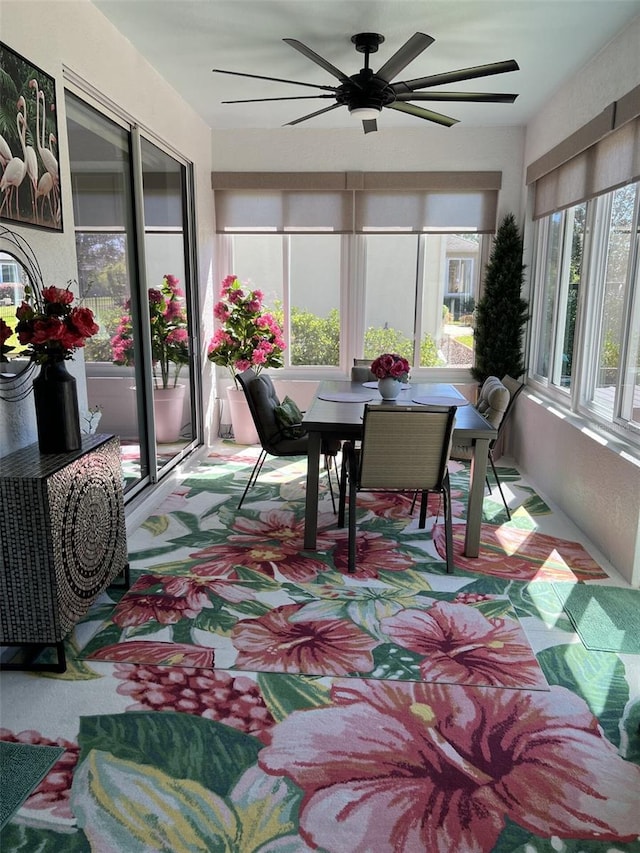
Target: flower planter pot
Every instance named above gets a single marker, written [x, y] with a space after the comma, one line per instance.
[167, 408]
[244, 431]
[389, 387]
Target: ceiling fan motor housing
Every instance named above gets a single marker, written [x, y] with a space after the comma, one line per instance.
[365, 89]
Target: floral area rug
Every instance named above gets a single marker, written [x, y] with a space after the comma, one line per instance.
[188, 756]
[399, 632]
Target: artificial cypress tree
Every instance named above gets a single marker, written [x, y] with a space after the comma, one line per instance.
[501, 313]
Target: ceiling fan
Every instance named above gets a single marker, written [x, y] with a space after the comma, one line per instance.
[366, 93]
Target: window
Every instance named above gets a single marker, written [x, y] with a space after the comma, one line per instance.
[617, 290]
[587, 316]
[11, 284]
[300, 278]
[357, 263]
[560, 244]
[340, 296]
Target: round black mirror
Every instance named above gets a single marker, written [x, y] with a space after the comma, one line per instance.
[19, 268]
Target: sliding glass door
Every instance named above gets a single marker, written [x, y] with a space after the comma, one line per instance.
[166, 262]
[132, 215]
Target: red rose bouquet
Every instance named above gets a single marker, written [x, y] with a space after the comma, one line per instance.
[392, 365]
[49, 327]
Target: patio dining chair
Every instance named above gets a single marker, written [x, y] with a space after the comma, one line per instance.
[277, 439]
[403, 449]
[495, 403]
[361, 371]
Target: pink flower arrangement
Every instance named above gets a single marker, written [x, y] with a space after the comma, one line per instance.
[391, 365]
[169, 335]
[49, 327]
[248, 336]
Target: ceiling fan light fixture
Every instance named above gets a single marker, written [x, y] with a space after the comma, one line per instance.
[364, 113]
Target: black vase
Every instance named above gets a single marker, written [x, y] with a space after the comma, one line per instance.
[57, 415]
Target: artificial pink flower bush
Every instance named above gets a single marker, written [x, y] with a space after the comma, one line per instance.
[391, 365]
[248, 336]
[169, 335]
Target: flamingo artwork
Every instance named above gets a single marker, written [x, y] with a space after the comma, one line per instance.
[12, 177]
[5, 152]
[30, 190]
[45, 191]
[30, 159]
[48, 158]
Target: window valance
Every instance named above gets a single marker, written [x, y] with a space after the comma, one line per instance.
[598, 158]
[355, 202]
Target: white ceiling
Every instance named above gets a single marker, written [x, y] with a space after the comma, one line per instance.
[185, 39]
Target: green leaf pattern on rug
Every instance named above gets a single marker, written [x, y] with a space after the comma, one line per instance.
[599, 677]
[284, 694]
[630, 732]
[181, 745]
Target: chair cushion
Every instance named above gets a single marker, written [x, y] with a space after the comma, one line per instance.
[289, 419]
[493, 402]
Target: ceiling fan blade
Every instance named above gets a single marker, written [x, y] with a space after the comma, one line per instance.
[294, 98]
[457, 76]
[369, 125]
[312, 115]
[406, 54]
[461, 97]
[420, 112]
[274, 79]
[319, 60]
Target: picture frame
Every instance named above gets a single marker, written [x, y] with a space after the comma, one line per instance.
[29, 164]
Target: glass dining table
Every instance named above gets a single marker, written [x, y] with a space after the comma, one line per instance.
[336, 412]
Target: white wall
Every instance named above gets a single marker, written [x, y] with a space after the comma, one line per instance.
[611, 73]
[596, 485]
[48, 33]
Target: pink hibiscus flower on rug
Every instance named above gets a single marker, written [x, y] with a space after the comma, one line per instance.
[461, 646]
[138, 609]
[193, 587]
[373, 553]
[272, 643]
[263, 557]
[281, 526]
[439, 768]
[397, 505]
[510, 552]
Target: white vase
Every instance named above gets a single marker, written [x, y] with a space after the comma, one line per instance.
[244, 431]
[167, 410]
[389, 387]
